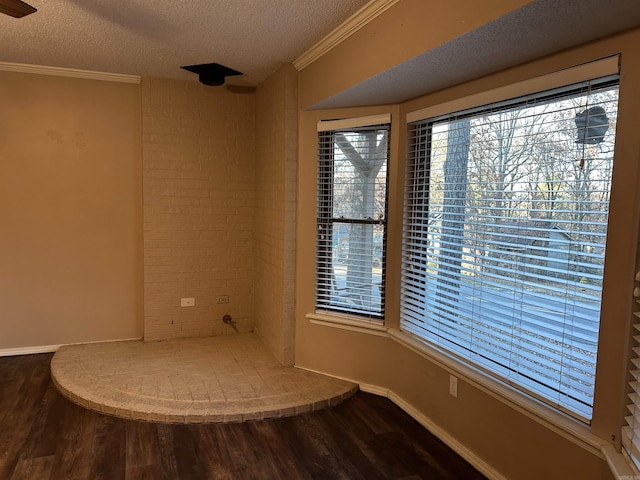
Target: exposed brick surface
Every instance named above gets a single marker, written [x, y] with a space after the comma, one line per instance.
[199, 208]
[276, 153]
[196, 380]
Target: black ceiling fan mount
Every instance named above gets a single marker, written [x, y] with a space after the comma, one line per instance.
[16, 8]
[212, 74]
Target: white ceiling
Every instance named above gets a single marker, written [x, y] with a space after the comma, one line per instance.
[155, 38]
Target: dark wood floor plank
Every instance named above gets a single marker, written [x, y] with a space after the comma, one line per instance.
[47, 425]
[370, 414]
[22, 393]
[187, 452]
[361, 422]
[44, 436]
[267, 461]
[22, 408]
[270, 439]
[106, 424]
[147, 472]
[108, 455]
[78, 421]
[75, 448]
[37, 468]
[142, 445]
[239, 453]
[74, 458]
[414, 445]
[10, 383]
[168, 465]
[214, 453]
[354, 437]
[308, 438]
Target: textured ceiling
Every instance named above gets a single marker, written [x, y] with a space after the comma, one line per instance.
[154, 38]
[533, 31]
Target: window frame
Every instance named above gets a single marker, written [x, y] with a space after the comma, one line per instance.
[440, 112]
[325, 220]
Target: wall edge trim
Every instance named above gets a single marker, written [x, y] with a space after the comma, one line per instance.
[68, 72]
[10, 352]
[477, 462]
[354, 23]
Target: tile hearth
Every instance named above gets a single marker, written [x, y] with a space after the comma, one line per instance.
[202, 380]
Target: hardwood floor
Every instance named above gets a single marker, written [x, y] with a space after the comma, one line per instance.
[45, 436]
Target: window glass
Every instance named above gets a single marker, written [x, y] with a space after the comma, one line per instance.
[352, 203]
[504, 238]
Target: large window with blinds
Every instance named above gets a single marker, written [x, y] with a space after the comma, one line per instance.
[351, 223]
[505, 226]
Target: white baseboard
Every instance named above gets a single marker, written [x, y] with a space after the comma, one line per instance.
[479, 464]
[10, 352]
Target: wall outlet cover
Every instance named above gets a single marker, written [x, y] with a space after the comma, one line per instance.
[453, 386]
[188, 302]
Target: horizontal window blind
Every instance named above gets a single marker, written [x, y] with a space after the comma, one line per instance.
[631, 431]
[351, 224]
[505, 224]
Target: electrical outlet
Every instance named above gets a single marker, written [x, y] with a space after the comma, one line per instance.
[223, 299]
[453, 386]
[188, 302]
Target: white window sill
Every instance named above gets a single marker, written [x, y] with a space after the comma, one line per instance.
[348, 322]
[620, 465]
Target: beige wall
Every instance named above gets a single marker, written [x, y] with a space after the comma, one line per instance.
[70, 211]
[276, 159]
[504, 437]
[199, 189]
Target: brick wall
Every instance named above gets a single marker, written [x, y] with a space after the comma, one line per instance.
[198, 193]
[276, 154]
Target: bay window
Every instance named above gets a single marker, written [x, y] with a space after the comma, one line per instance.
[504, 237]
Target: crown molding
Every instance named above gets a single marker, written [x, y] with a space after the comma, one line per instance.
[68, 72]
[358, 20]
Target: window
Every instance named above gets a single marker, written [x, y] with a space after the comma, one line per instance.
[352, 206]
[504, 235]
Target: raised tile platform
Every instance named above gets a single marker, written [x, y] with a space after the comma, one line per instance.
[217, 379]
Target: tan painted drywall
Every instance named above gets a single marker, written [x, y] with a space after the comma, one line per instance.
[276, 155]
[70, 211]
[414, 26]
[199, 194]
[510, 442]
